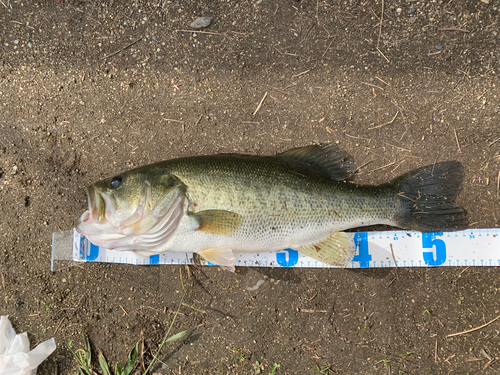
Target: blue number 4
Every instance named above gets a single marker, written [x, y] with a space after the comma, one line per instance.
[429, 241]
[363, 257]
[293, 258]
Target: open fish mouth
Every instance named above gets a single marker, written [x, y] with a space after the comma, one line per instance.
[146, 230]
[97, 207]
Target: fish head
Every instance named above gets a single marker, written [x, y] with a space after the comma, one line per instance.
[134, 203]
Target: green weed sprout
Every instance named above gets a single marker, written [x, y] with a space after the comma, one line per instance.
[325, 370]
[275, 368]
[84, 356]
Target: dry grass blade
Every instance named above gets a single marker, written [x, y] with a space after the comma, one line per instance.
[312, 311]
[167, 338]
[380, 29]
[180, 335]
[458, 143]
[474, 329]
[172, 120]
[453, 29]
[260, 104]
[199, 32]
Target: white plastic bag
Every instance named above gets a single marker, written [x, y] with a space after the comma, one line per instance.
[15, 355]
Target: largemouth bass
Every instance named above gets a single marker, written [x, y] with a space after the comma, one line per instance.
[224, 204]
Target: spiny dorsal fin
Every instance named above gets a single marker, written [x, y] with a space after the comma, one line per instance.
[217, 221]
[327, 160]
[336, 250]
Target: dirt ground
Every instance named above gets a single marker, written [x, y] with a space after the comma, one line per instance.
[92, 88]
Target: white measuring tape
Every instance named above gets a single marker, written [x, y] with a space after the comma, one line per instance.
[472, 247]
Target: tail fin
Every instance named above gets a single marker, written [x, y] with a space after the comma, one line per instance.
[427, 196]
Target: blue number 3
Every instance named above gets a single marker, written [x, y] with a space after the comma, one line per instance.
[428, 241]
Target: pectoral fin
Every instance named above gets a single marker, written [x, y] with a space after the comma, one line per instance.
[217, 221]
[336, 250]
[221, 255]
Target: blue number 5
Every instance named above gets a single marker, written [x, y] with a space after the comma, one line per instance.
[428, 241]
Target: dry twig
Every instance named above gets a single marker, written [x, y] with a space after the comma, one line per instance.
[370, 84]
[120, 50]
[385, 123]
[385, 166]
[298, 75]
[495, 141]
[121, 307]
[394, 259]
[386, 59]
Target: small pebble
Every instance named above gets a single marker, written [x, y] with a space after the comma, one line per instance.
[399, 10]
[412, 10]
[30, 44]
[153, 37]
[201, 22]
[439, 47]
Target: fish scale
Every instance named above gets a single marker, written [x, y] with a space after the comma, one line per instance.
[292, 202]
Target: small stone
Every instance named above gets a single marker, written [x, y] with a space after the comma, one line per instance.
[412, 10]
[399, 11]
[439, 47]
[30, 44]
[153, 37]
[201, 22]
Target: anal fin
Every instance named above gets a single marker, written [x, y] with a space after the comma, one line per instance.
[336, 250]
[221, 255]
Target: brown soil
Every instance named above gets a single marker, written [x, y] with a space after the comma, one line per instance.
[91, 88]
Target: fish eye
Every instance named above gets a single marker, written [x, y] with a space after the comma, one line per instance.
[115, 182]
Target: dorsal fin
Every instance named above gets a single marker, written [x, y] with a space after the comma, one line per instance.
[327, 160]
